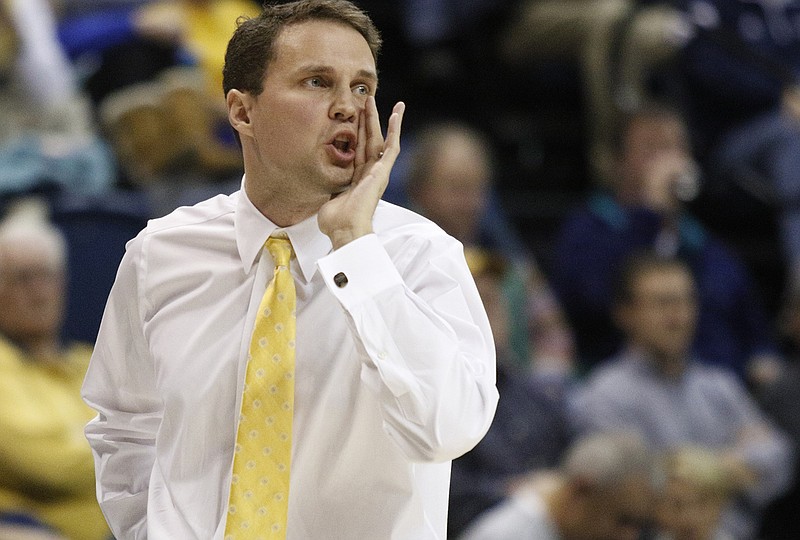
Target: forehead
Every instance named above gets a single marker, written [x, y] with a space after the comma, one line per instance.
[323, 43]
[460, 146]
[669, 278]
[654, 130]
[27, 251]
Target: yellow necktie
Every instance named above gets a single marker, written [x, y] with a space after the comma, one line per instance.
[259, 495]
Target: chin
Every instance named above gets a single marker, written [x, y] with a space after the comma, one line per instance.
[340, 181]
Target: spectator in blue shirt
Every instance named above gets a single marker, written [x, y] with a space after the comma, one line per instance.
[644, 210]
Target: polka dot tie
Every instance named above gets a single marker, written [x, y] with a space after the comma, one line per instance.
[259, 496]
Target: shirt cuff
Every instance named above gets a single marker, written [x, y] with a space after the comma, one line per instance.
[358, 271]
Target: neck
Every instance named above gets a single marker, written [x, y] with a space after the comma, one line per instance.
[670, 365]
[279, 206]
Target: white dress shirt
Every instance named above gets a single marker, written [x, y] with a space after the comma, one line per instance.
[395, 374]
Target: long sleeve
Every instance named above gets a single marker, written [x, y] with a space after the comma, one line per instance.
[120, 385]
[427, 348]
[392, 380]
[763, 447]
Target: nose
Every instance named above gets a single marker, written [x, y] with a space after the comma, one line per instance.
[344, 106]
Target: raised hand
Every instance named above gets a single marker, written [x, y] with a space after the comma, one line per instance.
[348, 215]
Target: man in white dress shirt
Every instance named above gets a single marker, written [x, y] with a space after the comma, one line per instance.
[395, 372]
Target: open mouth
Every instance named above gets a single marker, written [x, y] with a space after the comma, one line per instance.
[344, 142]
[343, 145]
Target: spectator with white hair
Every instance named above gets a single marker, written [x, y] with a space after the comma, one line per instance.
[47, 468]
[604, 489]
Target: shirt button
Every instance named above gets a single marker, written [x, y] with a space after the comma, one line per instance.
[340, 279]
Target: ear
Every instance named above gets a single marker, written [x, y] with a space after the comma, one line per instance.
[239, 104]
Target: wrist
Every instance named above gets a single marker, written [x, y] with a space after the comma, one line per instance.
[343, 237]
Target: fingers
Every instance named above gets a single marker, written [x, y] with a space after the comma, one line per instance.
[371, 147]
[373, 129]
[361, 145]
[391, 146]
[370, 131]
[391, 149]
[370, 139]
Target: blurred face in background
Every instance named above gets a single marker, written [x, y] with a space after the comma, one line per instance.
[651, 143]
[455, 191]
[141, 144]
[31, 290]
[660, 315]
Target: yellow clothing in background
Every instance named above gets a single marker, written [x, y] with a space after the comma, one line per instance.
[209, 27]
[46, 465]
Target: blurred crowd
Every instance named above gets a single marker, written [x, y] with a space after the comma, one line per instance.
[647, 383]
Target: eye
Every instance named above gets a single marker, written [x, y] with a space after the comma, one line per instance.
[315, 82]
[361, 90]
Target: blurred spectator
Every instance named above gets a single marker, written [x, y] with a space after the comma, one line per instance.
[40, 71]
[658, 388]
[604, 490]
[743, 101]
[209, 25]
[116, 46]
[47, 133]
[646, 210]
[530, 429]
[450, 180]
[163, 135]
[132, 119]
[48, 470]
[149, 36]
[615, 43]
[780, 401]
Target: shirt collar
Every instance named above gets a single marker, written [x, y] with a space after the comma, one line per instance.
[640, 362]
[252, 229]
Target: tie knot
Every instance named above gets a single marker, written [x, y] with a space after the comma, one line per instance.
[280, 249]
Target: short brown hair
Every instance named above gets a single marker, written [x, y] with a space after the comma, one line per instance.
[251, 49]
[639, 263]
[653, 111]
